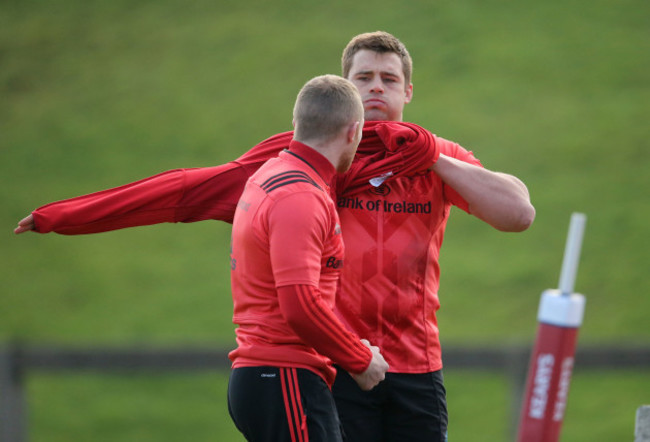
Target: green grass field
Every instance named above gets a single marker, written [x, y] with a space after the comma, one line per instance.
[97, 94]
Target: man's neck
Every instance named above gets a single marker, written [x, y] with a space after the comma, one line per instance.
[332, 150]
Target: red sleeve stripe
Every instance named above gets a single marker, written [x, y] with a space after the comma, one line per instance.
[328, 322]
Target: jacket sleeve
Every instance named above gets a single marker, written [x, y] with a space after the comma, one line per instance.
[180, 195]
[388, 149]
[318, 326]
[161, 198]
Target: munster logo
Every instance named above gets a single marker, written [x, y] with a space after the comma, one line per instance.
[382, 190]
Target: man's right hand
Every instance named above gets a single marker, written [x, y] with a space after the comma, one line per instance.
[24, 225]
[376, 371]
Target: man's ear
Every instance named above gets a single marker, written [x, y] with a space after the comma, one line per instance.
[353, 131]
[408, 94]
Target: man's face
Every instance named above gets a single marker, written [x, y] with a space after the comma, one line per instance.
[380, 80]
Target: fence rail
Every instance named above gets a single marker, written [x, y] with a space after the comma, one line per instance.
[17, 362]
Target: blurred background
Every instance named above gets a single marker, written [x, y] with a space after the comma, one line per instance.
[96, 94]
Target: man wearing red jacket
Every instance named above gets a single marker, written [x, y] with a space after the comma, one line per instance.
[286, 255]
[393, 229]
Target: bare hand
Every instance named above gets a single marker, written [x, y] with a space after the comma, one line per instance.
[376, 371]
[24, 225]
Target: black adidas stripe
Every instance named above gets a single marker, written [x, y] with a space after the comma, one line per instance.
[289, 177]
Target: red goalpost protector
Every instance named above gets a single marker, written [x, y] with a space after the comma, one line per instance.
[551, 364]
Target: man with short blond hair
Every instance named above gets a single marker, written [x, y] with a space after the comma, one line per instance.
[286, 255]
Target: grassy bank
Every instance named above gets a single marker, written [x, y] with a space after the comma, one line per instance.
[97, 94]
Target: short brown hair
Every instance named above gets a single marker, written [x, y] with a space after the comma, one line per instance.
[325, 105]
[381, 42]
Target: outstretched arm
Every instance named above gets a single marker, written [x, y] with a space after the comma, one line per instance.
[499, 199]
[181, 195]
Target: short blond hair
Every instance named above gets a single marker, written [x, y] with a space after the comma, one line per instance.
[325, 105]
[380, 42]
